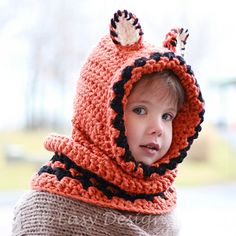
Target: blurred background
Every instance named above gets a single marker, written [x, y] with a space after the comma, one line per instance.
[42, 46]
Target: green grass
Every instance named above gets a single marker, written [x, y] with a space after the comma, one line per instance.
[17, 175]
[210, 160]
[194, 173]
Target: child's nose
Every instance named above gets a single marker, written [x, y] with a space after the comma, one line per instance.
[157, 127]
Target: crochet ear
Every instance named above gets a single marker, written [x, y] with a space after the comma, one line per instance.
[125, 29]
[175, 40]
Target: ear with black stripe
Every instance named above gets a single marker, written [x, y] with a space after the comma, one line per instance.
[175, 40]
[125, 30]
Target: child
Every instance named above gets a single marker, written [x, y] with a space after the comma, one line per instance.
[137, 110]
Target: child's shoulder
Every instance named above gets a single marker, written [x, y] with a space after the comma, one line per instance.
[41, 201]
[43, 212]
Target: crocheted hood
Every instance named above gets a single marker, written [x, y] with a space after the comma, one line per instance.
[95, 164]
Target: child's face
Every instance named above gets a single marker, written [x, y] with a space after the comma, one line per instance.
[148, 119]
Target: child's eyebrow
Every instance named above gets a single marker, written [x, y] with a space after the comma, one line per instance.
[139, 101]
[172, 109]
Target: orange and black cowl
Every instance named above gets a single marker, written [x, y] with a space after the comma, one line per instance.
[95, 165]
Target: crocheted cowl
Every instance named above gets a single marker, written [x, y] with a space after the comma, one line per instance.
[95, 164]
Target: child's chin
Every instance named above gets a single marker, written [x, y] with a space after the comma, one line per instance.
[148, 162]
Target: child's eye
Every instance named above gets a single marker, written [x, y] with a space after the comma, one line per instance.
[167, 117]
[139, 110]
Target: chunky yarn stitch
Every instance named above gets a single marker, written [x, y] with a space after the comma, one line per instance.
[58, 215]
[95, 164]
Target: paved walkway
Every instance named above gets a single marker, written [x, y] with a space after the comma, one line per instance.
[205, 211]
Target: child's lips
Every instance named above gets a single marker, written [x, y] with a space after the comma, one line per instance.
[150, 148]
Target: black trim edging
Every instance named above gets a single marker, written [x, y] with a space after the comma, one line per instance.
[109, 189]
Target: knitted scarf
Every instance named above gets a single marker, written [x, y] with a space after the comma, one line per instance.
[95, 164]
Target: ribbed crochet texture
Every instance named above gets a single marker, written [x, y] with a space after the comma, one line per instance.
[55, 215]
[95, 164]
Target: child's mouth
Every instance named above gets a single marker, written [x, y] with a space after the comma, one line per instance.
[150, 148]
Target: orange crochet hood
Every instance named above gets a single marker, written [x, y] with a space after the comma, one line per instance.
[95, 164]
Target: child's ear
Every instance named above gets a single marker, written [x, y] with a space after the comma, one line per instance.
[175, 40]
[125, 30]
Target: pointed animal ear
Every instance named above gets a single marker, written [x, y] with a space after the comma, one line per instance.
[175, 40]
[125, 30]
